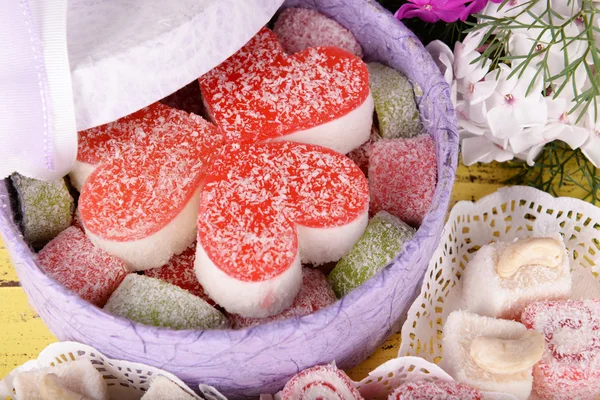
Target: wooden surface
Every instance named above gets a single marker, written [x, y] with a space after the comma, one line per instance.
[24, 334]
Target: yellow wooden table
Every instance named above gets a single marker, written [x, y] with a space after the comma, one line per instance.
[24, 334]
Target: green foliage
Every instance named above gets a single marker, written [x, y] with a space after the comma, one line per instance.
[558, 165]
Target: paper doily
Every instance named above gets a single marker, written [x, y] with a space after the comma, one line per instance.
[125, 380]
[512, 212]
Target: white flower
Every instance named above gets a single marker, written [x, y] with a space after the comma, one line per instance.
[512, 8]
[591, 148]
[444, 59]
[510, 109]
[482, 149]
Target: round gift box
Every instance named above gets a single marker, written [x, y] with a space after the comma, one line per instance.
[245, 363]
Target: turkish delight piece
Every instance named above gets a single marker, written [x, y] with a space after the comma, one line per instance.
[74, 377]
[361, 154]
[318, 96]
[395, 105]
[320, 382]
[490, 354]
[315, 293]
[179, 271]
[154, 302]
[402, 177]
[268, 207]
[570, 367]
[383, 239]
[141, 204]
[45, 208]
[162, 388]
[438, 390]
[72, 260]
[503, 278]
[300, 28]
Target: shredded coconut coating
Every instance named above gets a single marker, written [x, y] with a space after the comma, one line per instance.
[138, 191]
[72, 260]
[402, 177]
[383, 239]
[45, 208]
[315, 293]
[320, 382]
[361, 154]
[256, 193]
[259, 93]
[154, 302]
[179, 271]
[300, 28]
[438, 390]
[395, 104]
[570, 367]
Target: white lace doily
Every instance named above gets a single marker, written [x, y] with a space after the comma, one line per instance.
[126, 380]
[509, 213]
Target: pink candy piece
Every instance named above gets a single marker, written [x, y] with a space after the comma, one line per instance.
[570, 367]
[71, 259]
[179, 271]
[299, 28]
[315, 293]
[361, 155]
[438, 390]
[320, 382]
[402, 177]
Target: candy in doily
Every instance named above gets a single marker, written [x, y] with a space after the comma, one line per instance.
[395, 105]
[361, 154]
[267, 207]
[503, 278]
[72, 260]
[77, 376]
[320, 382]
[154, 302]
[141, 204]
[300, 28]
[382, 240]
[315, 293]
[45, 208]
[435, 390]
[570, 367]
[402, 177]
[162, 388]
[318, 96]
[179, 271]
[490, 354]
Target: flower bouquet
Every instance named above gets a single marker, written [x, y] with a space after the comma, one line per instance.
[524, 83]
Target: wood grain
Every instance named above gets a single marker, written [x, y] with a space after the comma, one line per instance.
[24, 335]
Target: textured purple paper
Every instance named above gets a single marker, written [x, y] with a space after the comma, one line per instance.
[261, 359]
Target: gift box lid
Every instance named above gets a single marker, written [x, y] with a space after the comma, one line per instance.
[72, 65]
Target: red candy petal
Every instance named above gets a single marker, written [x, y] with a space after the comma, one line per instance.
[570, 367]
[315, 293]
[320, 382]
[265, 189]
[438, 390]
[72, 260]
[402, 177]
[259, 93]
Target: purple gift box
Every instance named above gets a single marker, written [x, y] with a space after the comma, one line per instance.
[261, 359]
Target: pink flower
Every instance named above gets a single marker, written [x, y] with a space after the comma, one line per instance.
[432, 10]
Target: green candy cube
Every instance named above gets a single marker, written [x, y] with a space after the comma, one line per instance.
[45, 208]
[394, 103]
[151, 301]
[383, 239]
